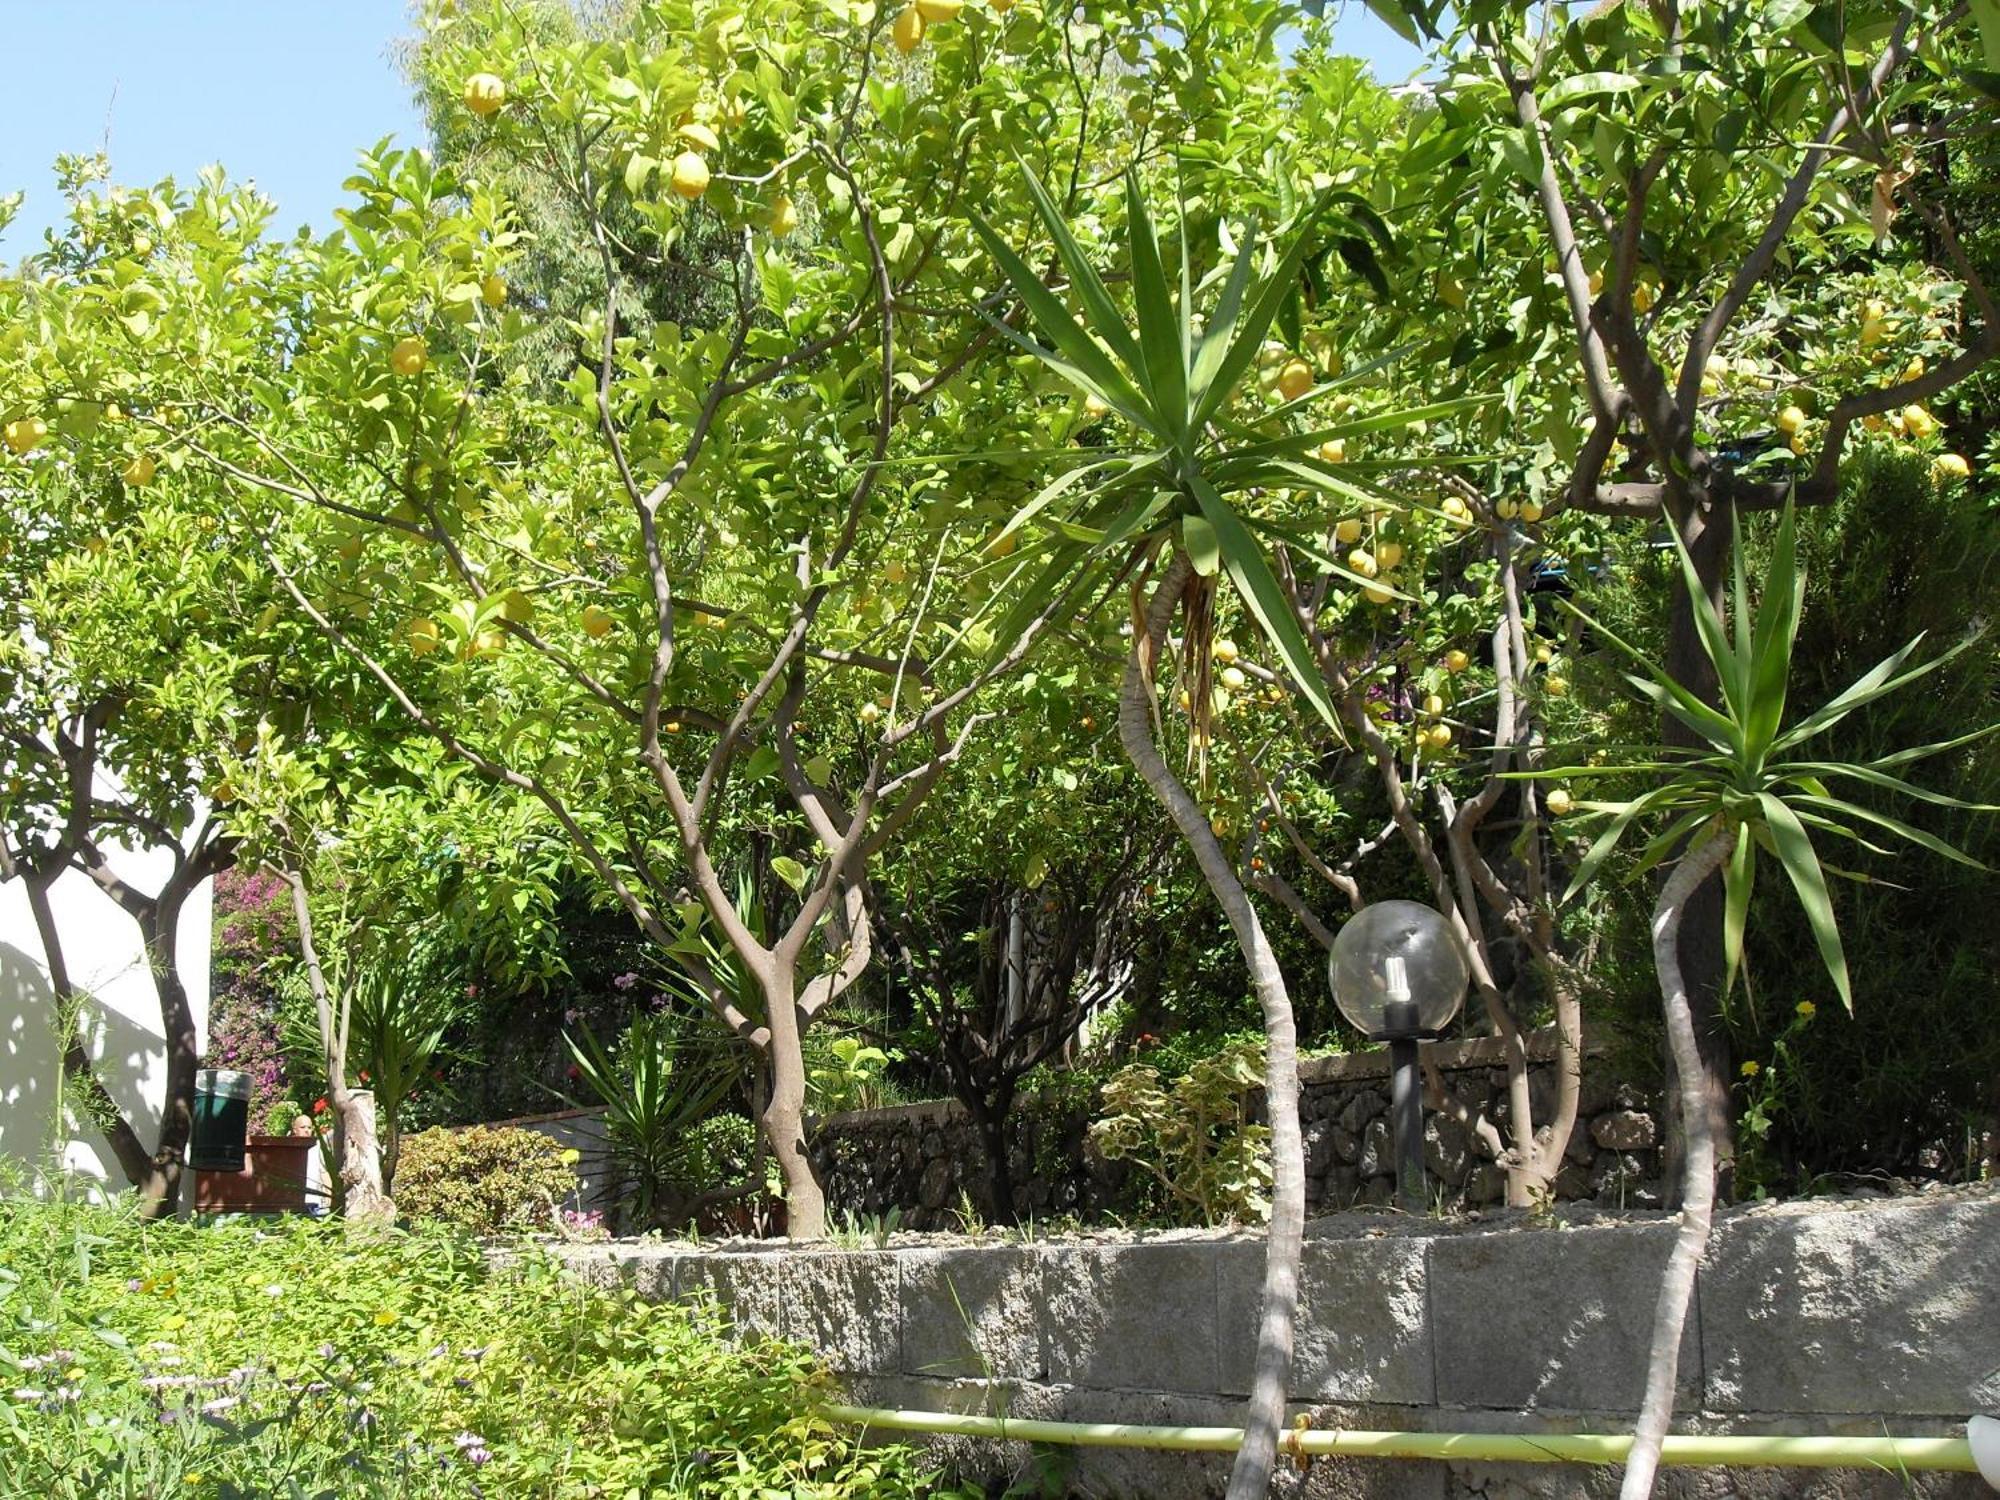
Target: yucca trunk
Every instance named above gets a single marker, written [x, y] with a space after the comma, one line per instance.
[1656, 1410]
[1264, 1417]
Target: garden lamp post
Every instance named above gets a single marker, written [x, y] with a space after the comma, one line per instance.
[1398, 974]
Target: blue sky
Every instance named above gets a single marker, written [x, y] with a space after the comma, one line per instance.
[280, 91]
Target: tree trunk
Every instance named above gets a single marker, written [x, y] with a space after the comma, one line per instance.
[1708, 534]
[1698, 1194]
[785, 1115]
[1264, 1418]
[358, 1151]
[161, 1191]
[991, 1117]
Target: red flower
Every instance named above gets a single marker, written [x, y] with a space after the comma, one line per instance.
[364, 1075]
[574, 1072]
[319, 1106]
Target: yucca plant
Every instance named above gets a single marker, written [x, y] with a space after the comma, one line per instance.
[1750, 789]
[1192, 479]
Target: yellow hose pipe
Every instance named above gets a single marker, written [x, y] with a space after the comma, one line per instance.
[1890, 1453]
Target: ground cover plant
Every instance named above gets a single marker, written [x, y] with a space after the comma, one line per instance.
[290, 1358]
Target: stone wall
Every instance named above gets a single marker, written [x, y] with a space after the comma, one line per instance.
[925, 1159]
[1810, 1318]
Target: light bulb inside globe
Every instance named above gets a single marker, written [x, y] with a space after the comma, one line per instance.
[1402, 954]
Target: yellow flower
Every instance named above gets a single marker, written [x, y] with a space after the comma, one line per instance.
[1807, 1010]
[1752, 1068]
[384, 1316]
[195, 1478]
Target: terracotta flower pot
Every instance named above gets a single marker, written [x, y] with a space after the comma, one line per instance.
[273, 1179]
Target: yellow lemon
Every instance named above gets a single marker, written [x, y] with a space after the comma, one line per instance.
[1914, 368]
[1873, 330]
[410, 356]
[1918, 422]
[1507, 509]
[1295, 378]
[493, 291]
[1362, 561]
[1347, 531]
[690, 175]
[1224, 651]
[940, 10]
[1001, 7]
[1004, 544]
[1456, 511]
[1233, 679]
[1791, 420]
[1456, 661]
[1951, 466]
[1433, 705]
[139, 473]
[1559, 803]
[597, 622]
[701, 135]
[908, 32]
[1095, 407]
[484, 94]
[1531, 511]
[25, 434]
[1544, 654]
[1388, 554]
[1377, 593]
[1438, 736]
[869, 713]
[1642, 298]
[896, 572]
[1333, 451]
[784, 217]
[1874, 310]
[423, 637]
[1556, 687]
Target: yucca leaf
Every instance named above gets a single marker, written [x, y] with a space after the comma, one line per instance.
[1769, 656]
[1731, 672]
[1249, 338]
[1057, 488]
[1883, 678]
[1076, 356]
[1607, 841]
[1162, 326]
[1219, 334]
[1671, 838]
[1107, 319]
[1711, 723]
[1267, 603]
[1739, 878]
[1033, 599]
[1801, 772]
[1795, 852]
[1203, 550]
[1836, 808]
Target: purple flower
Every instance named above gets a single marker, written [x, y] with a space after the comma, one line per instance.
[473, 1448]
[572, 1016]
[625, 981]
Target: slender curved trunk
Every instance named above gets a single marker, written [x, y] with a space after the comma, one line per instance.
[358, 1150]
[991, 1117]
[1264, 1418]
[1698, 1194]
[785, 1114]
[161, 1191]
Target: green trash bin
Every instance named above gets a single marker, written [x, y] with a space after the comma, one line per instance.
[221, 1120]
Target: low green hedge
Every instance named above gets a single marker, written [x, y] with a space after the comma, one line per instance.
[485, 1180]
[287, 1358]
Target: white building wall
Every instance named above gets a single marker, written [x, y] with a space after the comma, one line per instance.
[122, 1022]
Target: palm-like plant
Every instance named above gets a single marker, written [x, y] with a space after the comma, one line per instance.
[1193, 472]
[1750, 788]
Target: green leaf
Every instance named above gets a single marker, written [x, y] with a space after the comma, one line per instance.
[1266, 601]
[1203, 550]
[1795, 852]
[1738, 879]
[1586, 86]
[790, 871]
[1162, 327]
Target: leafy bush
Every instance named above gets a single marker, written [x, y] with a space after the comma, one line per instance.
[483, 1180]
[289, 1358]
[1194, 1137]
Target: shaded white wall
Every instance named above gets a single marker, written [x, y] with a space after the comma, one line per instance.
[122, 1021]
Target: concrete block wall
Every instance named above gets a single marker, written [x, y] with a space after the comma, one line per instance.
[1809, 1319]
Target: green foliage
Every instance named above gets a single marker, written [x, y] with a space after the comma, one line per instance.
[1749, 780]
[656, 1086]
[483, 1180]
[847, 1074]
[288, 1358]
[1194, 1137]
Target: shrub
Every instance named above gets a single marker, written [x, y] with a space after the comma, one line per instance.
[291, 1358]
[483, 1180]
[1194, 1136]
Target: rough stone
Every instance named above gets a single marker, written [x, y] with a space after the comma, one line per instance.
[845, 1304]
[972, 1312]
[748, 1288]
[1890, 1309]
[1318, 1147]
[1131, 1317]
[935, 1188]
[1363, 1107]
[1363, 1331]
[1346, 1145]
[1447, 1149]
[1624, 1130]
[1534, 1322]
[1378, 1150]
